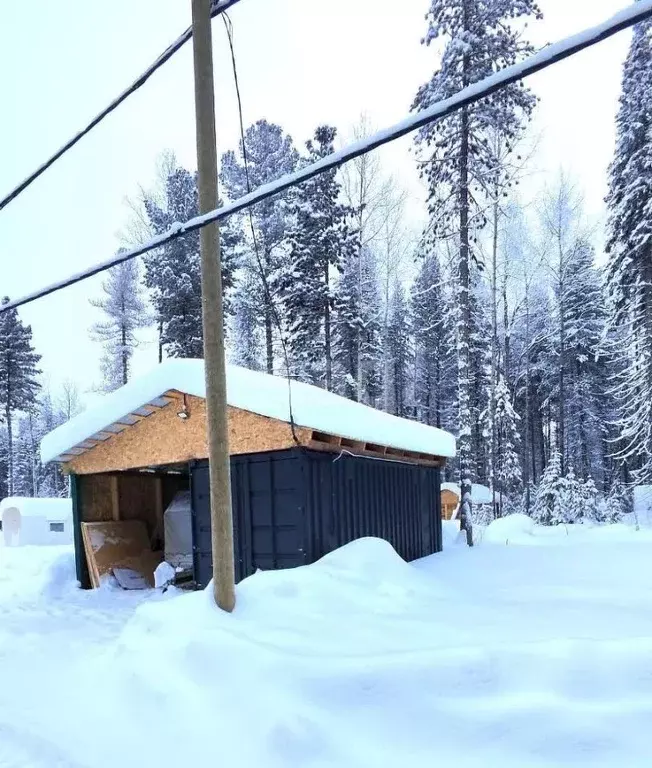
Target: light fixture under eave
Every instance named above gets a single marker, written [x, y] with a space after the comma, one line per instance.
[184, 413]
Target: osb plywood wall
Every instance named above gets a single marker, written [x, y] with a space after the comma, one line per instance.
[105, 498]
[164, 438]
[95, 498]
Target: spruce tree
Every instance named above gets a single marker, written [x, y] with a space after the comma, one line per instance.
[126, 313]
[270, 154]
[357, 337]
[18, 377]
[548, 498]
[575, 501]
[617, 504]
[508, 475]
[397, 351]
[173, 272]
[31, 476]
[434, 357]
[320, 241]
[478, 38]
[629, 248]
[479, 377]
[244, 339]
[588, 400]
[592, 504]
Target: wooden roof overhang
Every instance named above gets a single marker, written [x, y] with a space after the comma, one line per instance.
[171, 429]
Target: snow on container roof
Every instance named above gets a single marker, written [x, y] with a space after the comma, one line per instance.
[54, 510]
[480, 494]
[259, 393]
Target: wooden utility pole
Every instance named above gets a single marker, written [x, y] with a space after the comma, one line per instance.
[212, 314]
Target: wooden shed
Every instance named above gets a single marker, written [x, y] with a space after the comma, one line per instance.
[336, 471]
[450, 498]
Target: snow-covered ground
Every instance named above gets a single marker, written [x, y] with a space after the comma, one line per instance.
[507, 655]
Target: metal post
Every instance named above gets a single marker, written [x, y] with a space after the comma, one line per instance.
[212, 314]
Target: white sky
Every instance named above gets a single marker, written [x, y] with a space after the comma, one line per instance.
[299, 64]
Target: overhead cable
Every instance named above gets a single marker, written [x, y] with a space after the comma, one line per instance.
[218, 7]
[634, 14]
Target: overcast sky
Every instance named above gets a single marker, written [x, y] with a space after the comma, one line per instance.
[301, 63]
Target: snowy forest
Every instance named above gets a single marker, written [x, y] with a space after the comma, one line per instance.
[503, 321]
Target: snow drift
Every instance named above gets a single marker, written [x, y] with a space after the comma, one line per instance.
[504, 656]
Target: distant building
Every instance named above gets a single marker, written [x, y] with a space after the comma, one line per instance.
[450, 499]
[35, 521]
[310, 471]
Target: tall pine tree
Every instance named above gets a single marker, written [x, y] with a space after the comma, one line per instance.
[173, 272]
[397, 352]
[479, 38]
[126, 313]
[357, 338]
[434, 359]
[508, 476]
[269, 154]
[18, 377]
[589, 405]
[629, 247]
[320, 242]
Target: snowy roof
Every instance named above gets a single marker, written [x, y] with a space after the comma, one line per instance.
[50, 509]
[253, 391]
[480, 494]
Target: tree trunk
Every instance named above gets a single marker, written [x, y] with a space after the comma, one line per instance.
[125, 356]
[269, 340]
[359, 335]
[562, 385]
[493, 456]
[327, 330]
[160, 341]
[269, 328]
[464, 338]
[10, 450]
[386, 355]
[33, 456]
[507, 360]
[526, 431]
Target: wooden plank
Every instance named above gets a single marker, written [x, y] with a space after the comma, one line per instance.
[354, 445]
[159, 402]
[380, 454]
[375, 449]
[87, 444]
[115, 428]
[324, 437]
[115, 497]
[158, 508]
[129, 419]
[144, 411]
[90, 560]
[122, 544]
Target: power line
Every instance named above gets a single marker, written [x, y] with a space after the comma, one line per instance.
[228, 26]
[545, 58]
[218, 7]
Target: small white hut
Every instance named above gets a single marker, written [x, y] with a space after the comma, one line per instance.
[35, 521]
